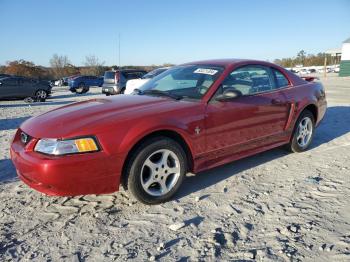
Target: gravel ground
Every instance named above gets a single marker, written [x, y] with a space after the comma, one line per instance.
[274, 206]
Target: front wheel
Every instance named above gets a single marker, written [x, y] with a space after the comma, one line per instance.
[303, 132]
[156, 170]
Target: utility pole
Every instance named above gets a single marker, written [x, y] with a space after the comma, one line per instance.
[119, 50]
[325, 66]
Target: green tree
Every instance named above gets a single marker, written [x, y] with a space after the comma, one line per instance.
[301, 57]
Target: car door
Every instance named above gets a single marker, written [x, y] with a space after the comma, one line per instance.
[254, 119]
[25, 88]
[8, 87]
[93, 81]
[97, 81]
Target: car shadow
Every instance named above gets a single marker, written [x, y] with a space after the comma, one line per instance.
[213, 176]
[336, 123]
[47, 103]
[11, 123]
[8, 171]
[72, 95]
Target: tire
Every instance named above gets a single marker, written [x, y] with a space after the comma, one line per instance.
[149, 178]
[41, 95]
[81, 89]
[303, 132]
[85, 90]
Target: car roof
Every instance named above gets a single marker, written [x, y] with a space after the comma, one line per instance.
[127, 70]
[14, 77]
[227, 62]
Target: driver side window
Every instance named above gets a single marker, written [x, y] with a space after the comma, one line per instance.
[10, 82]
[249, 80]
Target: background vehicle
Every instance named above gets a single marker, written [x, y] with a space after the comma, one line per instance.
[312, 71]
[4, 75]
[136, 83]
[114, 82]
[64, 81]
[81, 84]
[22, 87]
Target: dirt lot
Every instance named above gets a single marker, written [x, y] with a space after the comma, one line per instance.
[273, 206]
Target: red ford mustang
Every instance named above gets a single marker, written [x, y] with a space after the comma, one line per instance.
[192, 117]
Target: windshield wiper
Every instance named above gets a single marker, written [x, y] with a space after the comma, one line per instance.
[158, 92]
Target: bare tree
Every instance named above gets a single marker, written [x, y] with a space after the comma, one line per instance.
[59, 64]
[93, 66]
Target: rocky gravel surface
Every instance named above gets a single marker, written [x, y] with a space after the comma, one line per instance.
[275, 206]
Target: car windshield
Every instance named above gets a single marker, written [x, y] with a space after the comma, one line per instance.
[187, 81]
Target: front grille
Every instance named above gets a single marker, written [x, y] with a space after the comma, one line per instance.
[25, 138]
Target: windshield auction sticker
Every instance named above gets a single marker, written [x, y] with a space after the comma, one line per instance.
[205, 71]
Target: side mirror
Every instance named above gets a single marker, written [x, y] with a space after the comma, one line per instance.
[228, 95]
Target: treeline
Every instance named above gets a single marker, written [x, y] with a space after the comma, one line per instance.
[304, 59]
[60, 66]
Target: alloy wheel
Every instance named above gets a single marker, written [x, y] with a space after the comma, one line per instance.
[305, 130]
[41, 94]
[160, 172]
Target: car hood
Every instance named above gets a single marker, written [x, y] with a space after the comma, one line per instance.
[87, 117]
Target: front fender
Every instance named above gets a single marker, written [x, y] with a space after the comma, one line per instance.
[147, 127]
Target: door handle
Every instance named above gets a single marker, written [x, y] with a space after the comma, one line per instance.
[277, 102]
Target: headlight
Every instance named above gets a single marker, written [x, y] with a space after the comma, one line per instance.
[64, 147]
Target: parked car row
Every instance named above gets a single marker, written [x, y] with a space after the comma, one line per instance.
[127, 80]
[132, 84]
[319, 70]
[114, 82]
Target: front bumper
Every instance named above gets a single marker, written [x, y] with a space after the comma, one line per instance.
[70, 175]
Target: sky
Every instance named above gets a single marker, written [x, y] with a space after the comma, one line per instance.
[169, 31]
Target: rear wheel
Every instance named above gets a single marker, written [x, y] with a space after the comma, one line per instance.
[303, 132]
[156, 170]
[41, 95]
[81, 89]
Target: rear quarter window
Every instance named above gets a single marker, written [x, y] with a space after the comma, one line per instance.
[281, 80]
